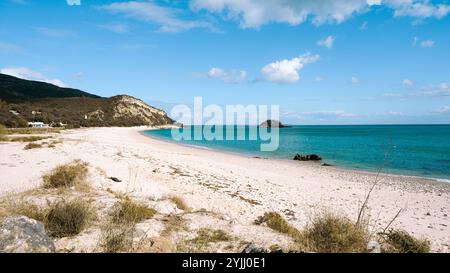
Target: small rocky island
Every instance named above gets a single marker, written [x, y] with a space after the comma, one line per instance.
[271, 123]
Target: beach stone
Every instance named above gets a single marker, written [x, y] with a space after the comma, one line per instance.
[115, 179]
[311, 157]
[373, 247]
[20, 234]
[252, 248]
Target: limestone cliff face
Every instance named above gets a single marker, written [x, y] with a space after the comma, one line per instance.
[127, 107]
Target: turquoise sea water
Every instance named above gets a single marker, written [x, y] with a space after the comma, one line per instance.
[420, 150]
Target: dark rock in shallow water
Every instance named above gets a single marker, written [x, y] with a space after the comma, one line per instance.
[270, 123]
[252, 248]
[115, 179]
[326, 164]
[311, 157]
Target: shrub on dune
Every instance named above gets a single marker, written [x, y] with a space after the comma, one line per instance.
[67, 218]
[68, 175]
[401, 241]
[330, 233]
[129, 211]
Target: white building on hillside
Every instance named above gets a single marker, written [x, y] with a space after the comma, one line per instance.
[37, 125]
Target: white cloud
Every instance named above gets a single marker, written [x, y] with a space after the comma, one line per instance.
[430, 91]
[327, 42]
[364, 25]
[427, 43]
[286, 71]
[407, 82]
[167, 18]
[439, 90]
[7, 47]
[54, 33]
[29, 74]
[443, 110]
[318, 79]
[419, 9]
[328, 114]
[394, 113]
[355, 80]
[117, 28]
[73, 2]
[232, 76]
[422, 43]
[256, 13]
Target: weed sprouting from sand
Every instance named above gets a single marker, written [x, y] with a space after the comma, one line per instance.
[32, 145]
[24, 208]
[179, 202]
[206, 236]
[117, 234]
[68, 175]
[117, 237]
[330, 233]
[128, 211]
[67, 218]
[327, 233]
[400, 241]
[276, 222]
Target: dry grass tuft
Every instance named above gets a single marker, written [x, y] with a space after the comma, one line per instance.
[179, 202]
[118, 233]
[32, 145]
[400, 241]
[32, 211]
[127, 211]
[67, 218]
[3, 130]
[68, 175]
[276, 222]
[117, 237]
[31, 131]
[329, 233]
[206, 235]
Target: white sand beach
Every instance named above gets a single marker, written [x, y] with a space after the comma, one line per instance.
[237, 187]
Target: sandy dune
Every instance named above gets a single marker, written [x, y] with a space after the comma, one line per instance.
[239, 187]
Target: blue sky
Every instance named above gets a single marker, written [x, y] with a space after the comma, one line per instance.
[323, 61]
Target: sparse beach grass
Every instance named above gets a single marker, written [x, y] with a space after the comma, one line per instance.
[30, 131]
[400, 241]
[117, 233]
[331, 233]
[276, 222]
[207, 235]
[203, 240]
[27, 209]
[117, 237]
[32, 145]
[67, 175]
[129, 211]
[60, 218]
[4, 138]
[180, 203]
[67, 218]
